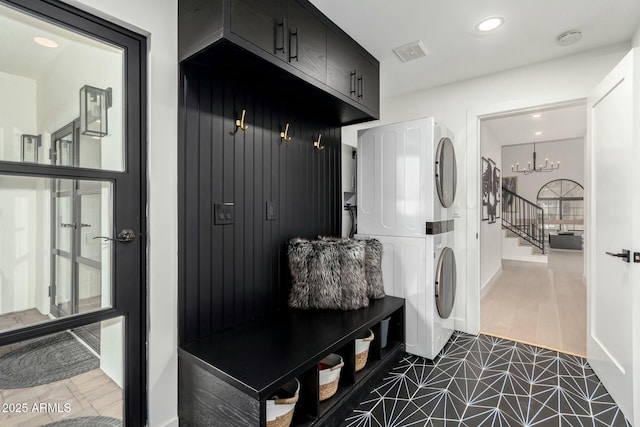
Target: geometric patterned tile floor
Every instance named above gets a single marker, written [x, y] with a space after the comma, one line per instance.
[488, 381]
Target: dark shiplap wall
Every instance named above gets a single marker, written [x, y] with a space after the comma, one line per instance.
[230, 274]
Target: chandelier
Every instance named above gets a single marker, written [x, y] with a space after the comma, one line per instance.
[546, 167]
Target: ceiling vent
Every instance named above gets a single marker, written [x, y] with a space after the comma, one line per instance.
[569, 37]
[411, 51]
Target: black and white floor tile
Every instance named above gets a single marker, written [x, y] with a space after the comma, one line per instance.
[489, 381]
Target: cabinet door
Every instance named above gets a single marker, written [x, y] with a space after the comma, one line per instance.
[341, 63]
[307, 42]
[368, 84]
[262, 23]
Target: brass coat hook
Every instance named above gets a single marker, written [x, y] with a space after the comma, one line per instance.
[316, 144]
[285, 135]
[240, 122]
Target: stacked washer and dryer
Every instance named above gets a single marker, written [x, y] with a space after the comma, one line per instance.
[406, 189]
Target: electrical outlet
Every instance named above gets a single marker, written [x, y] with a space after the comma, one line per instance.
[271, 211]
[223, 213]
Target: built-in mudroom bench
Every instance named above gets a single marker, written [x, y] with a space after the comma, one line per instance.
[226, 378]
[265, 86]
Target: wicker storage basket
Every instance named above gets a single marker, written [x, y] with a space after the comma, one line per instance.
[280, 409]
[330, 377]
[362, 350]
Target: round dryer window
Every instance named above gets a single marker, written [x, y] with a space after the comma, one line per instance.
[446, 283]
[446, 172]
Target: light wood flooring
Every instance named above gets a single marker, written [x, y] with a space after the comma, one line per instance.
[92, 393]
[541, 304]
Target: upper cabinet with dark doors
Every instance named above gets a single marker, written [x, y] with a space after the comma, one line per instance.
[294, 36]
[262, 23]
[351, 70]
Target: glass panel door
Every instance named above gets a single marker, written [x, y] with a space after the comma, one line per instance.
[81, 216]
[72, 175]
[62, 254]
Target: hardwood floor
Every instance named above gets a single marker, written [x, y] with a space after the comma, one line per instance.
[539, 304]
[19, 319]
[92, 393]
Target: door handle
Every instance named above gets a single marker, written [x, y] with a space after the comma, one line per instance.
[275, 38]
[291, 35]
[125, 236]
[625, 255]
[352, 83]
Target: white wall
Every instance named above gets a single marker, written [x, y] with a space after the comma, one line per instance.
[458, 106]
[18, 198]
[112, 349]
[17, 113]
[159, 19]
[490, 234]
[24, 244]
[59, 99]
[570, 153]
[636, 39]
[17, 201]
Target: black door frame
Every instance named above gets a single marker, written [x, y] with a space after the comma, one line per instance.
[129, 205]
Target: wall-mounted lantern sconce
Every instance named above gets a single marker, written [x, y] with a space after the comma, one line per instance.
[316, 144]
[30, 145]
[285, 135]
[94, 103]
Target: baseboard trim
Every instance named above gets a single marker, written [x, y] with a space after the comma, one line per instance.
[487, 286]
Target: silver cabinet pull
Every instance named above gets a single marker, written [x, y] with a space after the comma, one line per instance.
[125, 236]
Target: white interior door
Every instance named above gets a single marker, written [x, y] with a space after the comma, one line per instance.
[613, 156]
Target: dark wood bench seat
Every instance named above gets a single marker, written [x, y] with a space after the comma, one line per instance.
[231, 374]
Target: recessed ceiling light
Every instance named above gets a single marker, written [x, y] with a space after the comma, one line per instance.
[490, 24]
[537, 116]
[538, 133]
[43, 41]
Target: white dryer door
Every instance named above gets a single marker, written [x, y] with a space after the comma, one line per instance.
[445, 283]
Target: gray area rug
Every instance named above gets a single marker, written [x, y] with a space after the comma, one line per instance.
[44, 361]
[87, 422]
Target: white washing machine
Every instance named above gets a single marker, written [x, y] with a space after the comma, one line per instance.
[406, 189]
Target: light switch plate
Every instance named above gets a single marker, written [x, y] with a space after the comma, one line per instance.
[271, 211]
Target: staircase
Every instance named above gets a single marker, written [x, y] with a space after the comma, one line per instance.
[523, 229]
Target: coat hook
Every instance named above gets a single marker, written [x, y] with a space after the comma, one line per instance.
[240, 122]
[285, 135]
[316, 144]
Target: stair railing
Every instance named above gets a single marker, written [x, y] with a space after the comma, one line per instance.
[523, 218]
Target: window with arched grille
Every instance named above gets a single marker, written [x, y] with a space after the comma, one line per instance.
[562, 201]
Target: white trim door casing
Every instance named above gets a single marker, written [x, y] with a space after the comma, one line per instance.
[613, 208]
[471, 299]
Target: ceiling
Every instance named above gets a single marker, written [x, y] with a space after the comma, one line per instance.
[458, 51]
[29, 59]
[553, 124]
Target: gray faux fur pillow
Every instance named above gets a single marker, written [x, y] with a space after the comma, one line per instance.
[373, 268]
[327, 274]
[372, 265]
